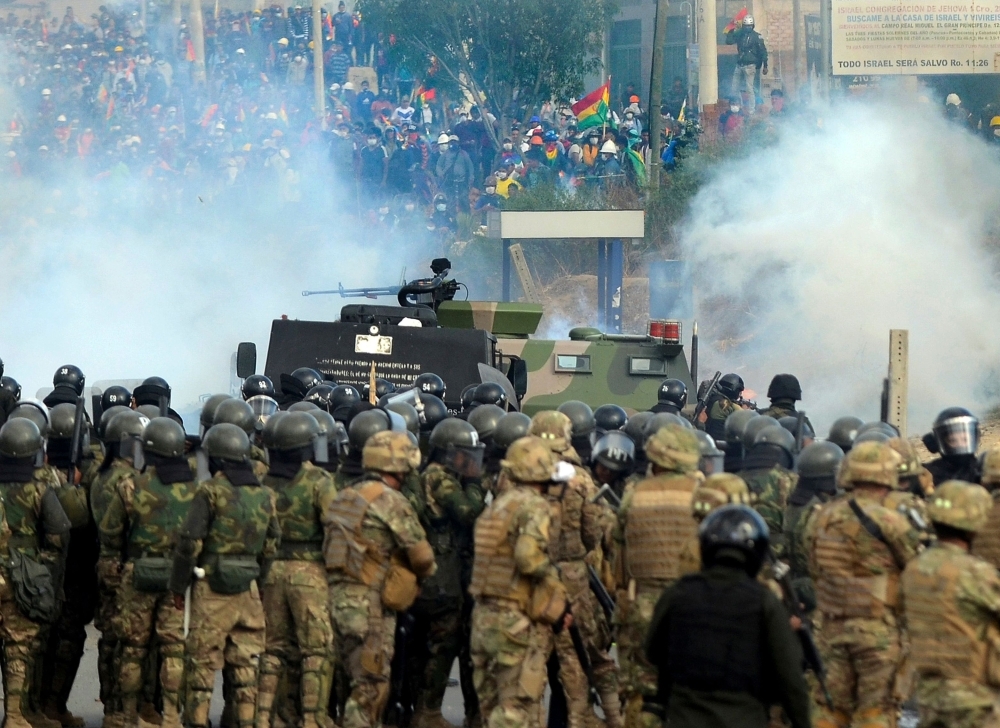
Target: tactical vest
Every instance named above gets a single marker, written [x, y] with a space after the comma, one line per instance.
[494, 571]
[105, 485]
[301, 530]
[657, 525]
[848, 585]
[715, 635]
[446, 538]
[986, 544]
[566, 503]
[239, 524]
[942, 643]
[157, 513]
[20, 502]
[345, 548]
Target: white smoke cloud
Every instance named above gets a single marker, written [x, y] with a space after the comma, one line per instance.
[807, 252]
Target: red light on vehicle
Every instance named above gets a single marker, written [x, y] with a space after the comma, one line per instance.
[666, 331]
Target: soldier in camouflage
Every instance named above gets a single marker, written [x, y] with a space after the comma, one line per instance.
[987, 542]
[784, 391]
[239, 413]
[915, 485]
[654, 523]
[718, 489]
[37, 531]
[578, 527]
[951, 600]
[857, 549]
[375, 551]
[454, 499]
[231, 533]
[519, 597]
[138, 533]
[722, 402]
[299, 635]
[767, 471]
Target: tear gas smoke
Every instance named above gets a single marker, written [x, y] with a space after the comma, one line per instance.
[807, 252]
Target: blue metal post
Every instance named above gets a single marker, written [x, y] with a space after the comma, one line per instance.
[615, 294]
[602, 283]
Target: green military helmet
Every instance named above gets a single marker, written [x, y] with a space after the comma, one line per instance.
[35, 411]
[455, 432]
[208, 409]
[390, 452]
[960, 505]
[327, 425]
[108, 415]
[554, 427]
[870, 463]
[872, 436]
[295, 431]
[844, 430]
[149, 411]
[819, 460]
[674, 448]
[636, 428]
[434, 411]
[485, 418]
[717, 490]
[226, 441]
[878, 426]
[62, 420]
[129, 423]
[754, 426]
[530, 460]
[270, 427]
[736, 425]
[511, 427]
[20, 438]
[236, 412]
[303, 407]
[712, 458]
[990, 467]
[775, 435]
[580, 415]
[365, 425]
[661, 419]
[163, 436]
[409, 414]
[911, 470]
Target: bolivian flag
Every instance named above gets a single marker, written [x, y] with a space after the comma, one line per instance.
[592, 109]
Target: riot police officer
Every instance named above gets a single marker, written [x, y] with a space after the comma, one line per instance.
[955, 438]
[671, 397]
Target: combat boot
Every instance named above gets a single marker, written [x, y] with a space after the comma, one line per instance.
[113, 720]
[64, 717]
[429, 718]
[149, 717]
[38, 720]
[13, 718]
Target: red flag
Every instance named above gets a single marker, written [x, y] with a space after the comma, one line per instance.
[209, 113]
[732, 23]
[111, 109]
[190, 50]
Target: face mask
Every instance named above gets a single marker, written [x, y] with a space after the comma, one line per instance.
[508, 146]
[408, 208]
[628, 115]
[372, 142]
[441, 207]
[490, 190]
[593, 141]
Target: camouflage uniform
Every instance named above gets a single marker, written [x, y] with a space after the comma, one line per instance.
[373, 541]
[654, 523]
[952, 604]
[717, 490]
[231, 531]
[517, 591]
[855, 564]
[295, 597]
[769, 490]
[138, 531]
[718, 413]
[39, 529]
[451, 510]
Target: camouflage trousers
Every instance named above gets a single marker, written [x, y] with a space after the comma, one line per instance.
[105, 621]
[298, 634]
[437, 639]
[862, 657]
[22, 641]
[140, 616]
[637, 676]
[363, 634]
[957, 704]
[226, 630]
[509, 653]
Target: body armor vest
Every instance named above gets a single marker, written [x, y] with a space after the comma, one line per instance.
[986, 544]
[494, 571]
[715, 636]
[658, 524]
[848, 585]
[346, 549]
[295, 504]
[104, 487]
[567, 503]
[239, 527]
[157, 513]
[19, 501]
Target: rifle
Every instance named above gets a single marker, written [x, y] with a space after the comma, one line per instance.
[799, 422]
[811, 657]
[607, 493]
[606, 601]
[581, 654]
[748, 404]
[77, 445]
[703, 401]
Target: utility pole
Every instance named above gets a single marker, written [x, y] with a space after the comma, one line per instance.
[198, 41]
[826, 60]
[318, 81]
[798, 60]
[656, 93]
[708, 64]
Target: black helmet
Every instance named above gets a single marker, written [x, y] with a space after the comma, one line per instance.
[35, 411]
[320, 395]
[409, 414]
[263, 408]
[712, 458]
[468, 397]
[819, 460]
[20, 438]
[457, 446]
[791, 423]
[485, 418]
[610, 417]
[636, 427]
[149, 411]
[580, 415]
[303, 407]
[843, 431]
[9, 384]
[490, 393]
[125, 424]
[208, 409]
[784, 386]
[434, 411]
[62, 420]
[879, 426]
[226, 441]
[307, 378]
[164, 437]
[364, 425]
[673, 391]
[114, 396]
[734, 527]
[70, 376]
[776, 435]
[615, 450]
[342, 398]
[430, 383]
[271, 427]
[454, 431]
[730, 386]
[512, 426]
[736, 425]
[108, 415]
[151, 390]
[754, 426]
[956, 431]
[236, 412]
[382, 388]
[257, 384]
[295, 431]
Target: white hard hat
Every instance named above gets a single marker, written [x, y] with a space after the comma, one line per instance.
[443, 139]
[271, 116]
[609, 148]
[952, 100]
[283, 41]
[335, 87]
[61, 117]
[748, 20]
[48, 92]
[348, 86]
[240, 51]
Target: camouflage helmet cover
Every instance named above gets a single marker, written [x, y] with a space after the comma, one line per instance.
[870, 463]
[554, 428]
[991, 468]
[674, 448]
[390, 452]
[718, 490]
[911, 467]
[960, 505]
[530, 460]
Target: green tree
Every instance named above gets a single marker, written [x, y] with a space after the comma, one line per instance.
[509, 56]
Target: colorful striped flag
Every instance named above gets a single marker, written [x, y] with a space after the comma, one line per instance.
[732, 23]
[209, 113]
[592, 110]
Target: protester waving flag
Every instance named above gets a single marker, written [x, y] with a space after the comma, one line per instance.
[736, 21]
[592, 109]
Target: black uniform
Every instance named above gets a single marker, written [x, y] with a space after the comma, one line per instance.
[955, 467]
